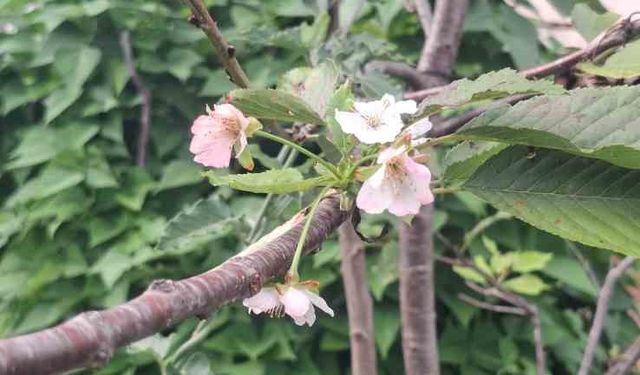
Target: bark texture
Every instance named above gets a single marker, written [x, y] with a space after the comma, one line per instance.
[89, 339]
[359, 303]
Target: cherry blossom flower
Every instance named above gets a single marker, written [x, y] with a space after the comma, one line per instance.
[215, 134]
[401, 185]
[296, 301]
[416, 131]
[378, 121]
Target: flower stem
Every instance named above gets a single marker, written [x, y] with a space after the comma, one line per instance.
[330, 167]
[293, 270]
[444, 190]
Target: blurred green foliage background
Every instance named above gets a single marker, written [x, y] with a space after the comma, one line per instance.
[80, 223]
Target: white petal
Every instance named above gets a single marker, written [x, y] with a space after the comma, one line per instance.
[296, 302]
[376, 193]
[351, 122]
[419, 128]
[406, 106]
[319, 302]
[267, 299]
[374, 108]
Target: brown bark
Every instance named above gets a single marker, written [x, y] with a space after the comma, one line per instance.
[417, 295]
[359, 303]
[89, 339]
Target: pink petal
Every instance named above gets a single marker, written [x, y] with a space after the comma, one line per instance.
[419, 128]
[266, 300]
[202, 125]
[230, 111]
[295, 302]
[421, 176]
[376, 193]
[308, 318]
[214, 158]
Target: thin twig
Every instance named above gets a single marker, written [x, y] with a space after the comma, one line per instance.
[200, 333]
[627, 360]
[491, 307]
[145, 94]
[601, 312]
[359, 304]
[575, 251]
[617, 35]
[401, 70]
[225, 51]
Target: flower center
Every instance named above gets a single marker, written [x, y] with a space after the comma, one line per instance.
[231, 124]
[395, 172]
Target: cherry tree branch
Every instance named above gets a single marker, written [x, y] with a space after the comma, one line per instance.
[226, 52]
[145, 94]
[441, 47]
[90, 339]
[359, 303]
[617, 35]
[416, 264]
[417, 295]
[601, 312]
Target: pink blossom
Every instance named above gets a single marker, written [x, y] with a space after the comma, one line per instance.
[215, 134]
[401, 185]
[296, 301]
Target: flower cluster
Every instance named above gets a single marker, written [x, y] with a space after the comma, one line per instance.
[400, 185]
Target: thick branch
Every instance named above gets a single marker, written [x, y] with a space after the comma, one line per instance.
[359, 304]
[601, 312]
[441, 48]
[225, 52]
[417, 295]
[89, 339]
[145, 111]
[627, 360]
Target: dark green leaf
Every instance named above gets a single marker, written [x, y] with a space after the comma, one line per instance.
[581, 199]
[274, 105]
[279, 181]
[601, 123]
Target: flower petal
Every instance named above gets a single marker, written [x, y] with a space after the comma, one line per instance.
[406, 106]
[376, 193]
[421, 176]
[351, 122]
[419, 128]
[319, 302]
[296, 303]
[267, 299]
[202, 125]
[215, 157]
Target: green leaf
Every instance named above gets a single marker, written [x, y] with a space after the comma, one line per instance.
[623, 64]
[319, 85]
[342, 99]
[464, 158]
[43, 143]
[53, 179]
[469, 274]
[76, 65]
[9, 224]
[492, 85]
[528, 261]
[279, 181]
[581, 199]
[136, 185]
[570, 272]
[274, 105]
[601, 123]
[387, 326]
[589, 23]
[179, 173]
[526, 284]
[196, 225]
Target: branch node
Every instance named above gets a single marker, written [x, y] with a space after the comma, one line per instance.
[163, 286]
[231, 51]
